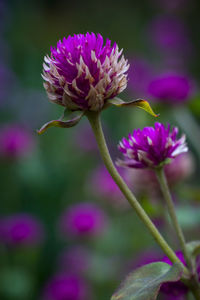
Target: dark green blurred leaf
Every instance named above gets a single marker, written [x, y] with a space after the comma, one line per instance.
[145, 282]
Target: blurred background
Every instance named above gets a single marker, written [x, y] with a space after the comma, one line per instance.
[66, 232]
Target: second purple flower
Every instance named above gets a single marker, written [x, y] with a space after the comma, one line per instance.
[151, 147]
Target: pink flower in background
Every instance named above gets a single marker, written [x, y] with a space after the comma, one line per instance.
[21, 230]
[15, 141]
[83, 219]
[170, 88]
[82, 73]
[66, 287]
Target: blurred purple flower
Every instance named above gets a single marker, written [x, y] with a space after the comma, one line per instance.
[151, 147]
[170, 36]
[83, 219]
[140, 74]
[15, 141]
[66, 287]
[76, 260]
[171, 88]
[21, 230]
[81, 73]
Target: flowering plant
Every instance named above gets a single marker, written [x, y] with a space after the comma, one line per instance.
[85, 77]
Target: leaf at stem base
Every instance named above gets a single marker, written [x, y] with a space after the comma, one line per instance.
[145, 282]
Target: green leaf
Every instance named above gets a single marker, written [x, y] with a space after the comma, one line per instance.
[74, 119]
[143, 104]
[144, 283]
[193, 248]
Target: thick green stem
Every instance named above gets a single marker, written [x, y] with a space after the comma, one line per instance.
[94, 120]
[171, 209]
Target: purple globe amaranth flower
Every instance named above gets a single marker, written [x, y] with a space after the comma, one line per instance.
[85, 75]
[82, 73]
[84, 219]
[21, 230]
[15, 141]
[171, 88]
[151, 147]
[66, 287]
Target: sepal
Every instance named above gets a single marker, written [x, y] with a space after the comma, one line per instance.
[143, 104]
[68, 119]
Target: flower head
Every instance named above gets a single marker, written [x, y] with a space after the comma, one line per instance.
[21, 230]
[170, 87]
[65, 287]
[85, 74]
[151, 147]
[83, 219]
[82, 72]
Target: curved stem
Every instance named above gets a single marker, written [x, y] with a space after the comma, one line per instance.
[171, 209]
[94, 120]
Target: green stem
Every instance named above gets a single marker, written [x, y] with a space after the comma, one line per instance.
[193, 283]
[95, 122]
[171, 209]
